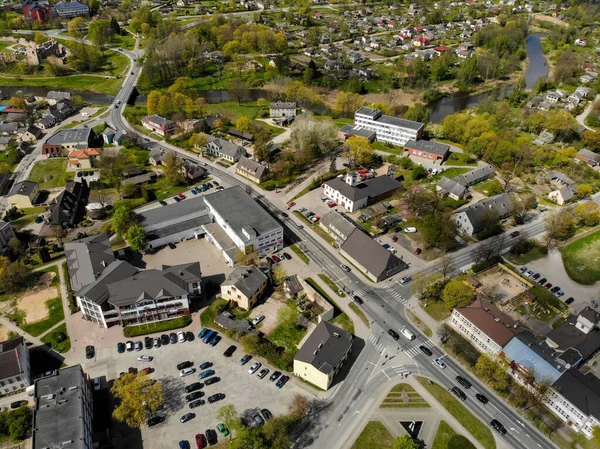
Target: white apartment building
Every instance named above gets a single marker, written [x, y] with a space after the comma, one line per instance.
[484, 325]
[283, 109]
[242, 224]
[394, 130]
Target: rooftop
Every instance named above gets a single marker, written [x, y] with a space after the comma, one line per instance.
[357, 131]
[87, 258]
[283, 105]
[247, 279]
[581, 390]
[23, 188]
[74, 135]
[325, 347]
[440, 149]
[534, 355]
[10, 364]
[375, 114]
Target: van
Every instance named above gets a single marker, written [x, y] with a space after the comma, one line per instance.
[209, 336]
[410, 230]
[85, 114]
[408, 334]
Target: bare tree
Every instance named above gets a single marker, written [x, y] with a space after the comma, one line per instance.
[446, 265]
[444, 332]
[238, 90]
[559, 226]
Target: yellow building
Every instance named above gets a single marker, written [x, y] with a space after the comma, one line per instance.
[23, 194]
[323, 354]
[244, 285]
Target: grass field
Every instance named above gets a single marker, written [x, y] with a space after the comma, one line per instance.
[331, 285]
[55, 315]
[303, 257]
[374, 436]
[450, 173]
[403, 396]
[480, 431]
[234, 111]
[388, 148]
[437, 310]
[582, 259]
[443, 436]
[417, 322]
[356, 309]
[56, 341]
[460, 159]
[92, 83]
[51, 173]
[489, 188]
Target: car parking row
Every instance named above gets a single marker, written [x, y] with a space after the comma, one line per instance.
[540, 279]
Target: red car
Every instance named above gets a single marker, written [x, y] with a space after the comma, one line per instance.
[332, 204]
[276, 259]
[181, 195]
[146, 370]
[548, 285]
[418, 251]
[315, 218]
[290, 205]
[200, 441]
[395, 238]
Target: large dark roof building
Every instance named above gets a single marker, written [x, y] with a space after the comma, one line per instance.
[14, 366]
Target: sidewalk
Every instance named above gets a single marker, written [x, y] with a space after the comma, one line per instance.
[414, 307]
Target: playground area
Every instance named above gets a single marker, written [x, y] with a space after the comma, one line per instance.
[500, 285]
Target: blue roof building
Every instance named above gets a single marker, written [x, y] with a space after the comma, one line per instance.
[534, 357]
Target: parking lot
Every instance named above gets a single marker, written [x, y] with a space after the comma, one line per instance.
[245, 391]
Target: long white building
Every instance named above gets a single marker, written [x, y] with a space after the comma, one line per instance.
[394, 130]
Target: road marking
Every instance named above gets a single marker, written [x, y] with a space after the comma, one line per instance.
[528, 436]
[383, 371]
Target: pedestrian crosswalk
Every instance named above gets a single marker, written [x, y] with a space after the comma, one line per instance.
[396, 296]
[363, 291]
[376, 341]
[400, 370]
[415, 350]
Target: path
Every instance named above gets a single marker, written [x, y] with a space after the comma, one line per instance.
[581, 117]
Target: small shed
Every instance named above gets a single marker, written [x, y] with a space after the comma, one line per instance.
[528, 297]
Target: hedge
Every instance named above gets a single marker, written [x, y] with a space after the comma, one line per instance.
[159, 326]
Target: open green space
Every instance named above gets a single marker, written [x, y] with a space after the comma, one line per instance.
[436, 309]
[417, 322]
[356, 309]
[233, 110]
[58, 339]
[374, 436]
[55, 315]
[303, 257]
[126, 41]
[480, 431]
[403, 396]
[160, 326]
[51, 173]
[581, 259]
[388, 148]
[331, 285]
[340, 318]
[460, 159]
[443, 436]
[490, 187]
[450, 173]
[93, 83]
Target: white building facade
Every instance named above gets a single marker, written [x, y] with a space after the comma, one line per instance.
[389, 129]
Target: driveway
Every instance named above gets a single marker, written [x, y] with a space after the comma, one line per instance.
[551, 267]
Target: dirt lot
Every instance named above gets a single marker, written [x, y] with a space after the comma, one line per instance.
[270, 309]
[504, 285]
[33, 301]
[3, 333]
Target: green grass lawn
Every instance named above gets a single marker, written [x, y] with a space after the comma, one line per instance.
[582, 259]
[58, 339]
[92, 83]
[537, 252]
[51, 173]
[161, 326]
[403, 396]
[417, 322]
[388, 148]
[126, 41]
[287, 336]
[460, 159]
[340, 318]
[234, 111]
[443, 436]
[480, 431]
[374, 436]
[490, 187]
[116, 63]
[331, 285]
[344, 321]
[450, 173]
[356, 309]
[303, 257]
[437, 310]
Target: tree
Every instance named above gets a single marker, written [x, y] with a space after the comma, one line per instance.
[139, 396]
[446, 265]
[347, 103]
[39, 38]
[228, 415]
[591, 139]
[246, 259]
[584, 190]
[359, 150]
[238, 90]
[245, 125]
[492, 372]
[457, 294]
[300, 406]
[130, 190]
[559, 226]
[422, 284]
[418, 172]
[76, 26]
[313, 137]
[18, 101]
[279, 275]
[172, 169]
[596, 434]
[124, 218]
[136, 238]
[153, 101]
[14, 277]
[58, 232]
[588, 213]
[405, 442]
[198, 140]
[99, 32]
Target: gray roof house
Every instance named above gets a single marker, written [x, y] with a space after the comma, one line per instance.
[87, 258]
[337, 225]
[587, 156]
[225, 149]
[250, 169]
[471, 219]
[475, 176]
[452, 188]
[244, 285]
[373, 259]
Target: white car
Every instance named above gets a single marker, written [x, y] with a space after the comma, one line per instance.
[145, 358]
[157, 343]
[254, 368]
[180, 337]
[410, 230]
[257, 320]
[129, 346]
[186, 372]
[439, 363]
[96, 383]
[138, 346]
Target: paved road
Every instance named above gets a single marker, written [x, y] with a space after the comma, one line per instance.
[581, 117]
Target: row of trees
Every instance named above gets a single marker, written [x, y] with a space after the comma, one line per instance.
[175, 104]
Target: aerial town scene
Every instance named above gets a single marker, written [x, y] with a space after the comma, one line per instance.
[277, 224]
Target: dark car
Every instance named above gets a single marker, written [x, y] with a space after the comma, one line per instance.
[17, 404]
[189, 336]
[426, 350]
[514, 234]
[203, 333]
[148, 343]
[155, 420]
[216, 397]
[459, 393]
[162, 202]
[498, 426]
[132, 370]
[184, 365]
[555, 289]
[392, 333]
[258, 420]
[164, 339]
[536, 276]
[266, 414]
[464, 382]
[187, 417]
[229, 351]
[211, 436]
[120, 348]
[274, 376]
[205, 365]
[193, 387]
[481, 398]
[193, 396]
[548, 285]
[357, 299]
[196, 403]
[542, 281]
[245, 359]
[183, 444]
[173, 338]
[287, 256]
[282, 381]
[569, 300]
[89, 352]
[212, 380]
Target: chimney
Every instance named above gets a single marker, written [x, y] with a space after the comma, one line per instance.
[181, 273]
[103, 263]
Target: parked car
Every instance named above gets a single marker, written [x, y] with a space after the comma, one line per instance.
[196, 403]
[515, 234]
[263, 372]
[200, 441]
[193, 396]
[394, 238]
[275, 259]
[216, 397]
[138, 346]
[96, 384]
[193, 387]
[440, 363]
[145, 358]
[569, 300]
[406, 280]
[555, 289]
[548, 285]
[222, 429]
[164, 339]
[120, 348]
[426, 350]
[410, 230]
[186, 364]
[173, 338]
[187, 417]
[523, 269]
[229, 351]
[148, 343]
[332, 205]
[267, 415]
[186, 372]
[180, 337]
[89, 352]
[212, 380]
[205, 365]
[536, 276]
[205, 374]
[215, 340]
[595, 303]
[245, 359]
[147, 370]
[418, 251]
[257, 320]
[202, 333]
[129, 346]
[257, 419]
[254, 368]
[291, 204]
[528, 273]
[542, 281]
[282, 381]
[560, 293]
[157, 342]
[287, 256]
[274, 376]
[153, 421]
[211, 436]
[189, 336]
[481, 398]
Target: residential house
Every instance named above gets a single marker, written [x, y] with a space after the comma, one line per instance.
[545, 137]
[553, 97]
[125, 295]
[452, 188]
[63, 400]
[486, 327]
[348, 131]
[337, 225]
[421, 41]
[157, 156]
[84, 158]
[53, 96]
[352, 195]
[6, 233]
[15, 374]
[68, 10]
[475, 176]
[565, 188]
[576, 339]
[283, 109]
[394, 130]
[63, 210]
[225, 149]
[428, 149]
[29, 134]
[158, 124]
[323, 354]
[241, 135]
[45, 122]
[473, 218]
[145, 178]
[587, 156]
[376, 262]
[244, 285]
[250, 169]
[8, 129]
[192, 171]
[58, 144]
[23, 194]
[61, 110]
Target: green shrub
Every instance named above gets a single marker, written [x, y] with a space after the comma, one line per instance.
[160, 326]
